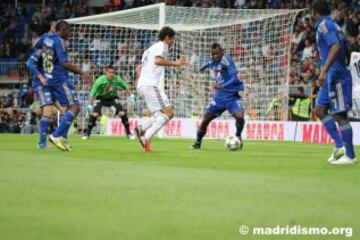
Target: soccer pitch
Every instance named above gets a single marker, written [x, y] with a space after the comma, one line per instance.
[108, 188]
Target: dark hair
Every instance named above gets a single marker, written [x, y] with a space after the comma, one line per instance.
[321, 7]
[301, 90]
[351, 29]
[166, 31]
[215, 46]
[109, 67]
[62, 24]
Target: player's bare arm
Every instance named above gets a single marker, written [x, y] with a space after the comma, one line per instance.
[163, 62]
[42, 79]
[217, 86]
[74, 69]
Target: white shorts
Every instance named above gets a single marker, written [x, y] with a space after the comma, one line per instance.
[155, 99]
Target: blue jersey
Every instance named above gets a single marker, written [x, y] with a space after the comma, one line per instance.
[39, 43]
[336, 94]
[327, 34]
[54, 56]
[225, 73]
[34, 64]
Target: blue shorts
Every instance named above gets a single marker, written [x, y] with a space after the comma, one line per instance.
[218, 106]
[64, 93]
[336, 94]
[44, 95]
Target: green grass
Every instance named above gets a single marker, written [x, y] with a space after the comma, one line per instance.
[108, 188]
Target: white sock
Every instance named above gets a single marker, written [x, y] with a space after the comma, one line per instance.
[160, 120]
[148, 123]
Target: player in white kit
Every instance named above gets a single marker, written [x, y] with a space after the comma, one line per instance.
[151, 84]
[355, 76]
[352, 33]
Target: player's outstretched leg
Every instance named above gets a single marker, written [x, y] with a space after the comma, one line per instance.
[332, 130]
[240, 122]
[74, 109]
[141, 129]
[91, 124]
[207, 118]
[347, 136]
[64, 134]
[64, 138]
[66, 121]
[161, 118]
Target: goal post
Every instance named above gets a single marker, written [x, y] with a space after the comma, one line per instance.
[257, 39]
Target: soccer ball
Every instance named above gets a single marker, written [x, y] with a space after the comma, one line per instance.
[232, 143]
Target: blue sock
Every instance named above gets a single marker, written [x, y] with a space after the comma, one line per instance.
[347, 136]
[332, 130]
[64, 134]
[64, 124]
[43, 129]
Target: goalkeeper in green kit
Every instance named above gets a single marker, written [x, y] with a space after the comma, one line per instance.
[104, 93]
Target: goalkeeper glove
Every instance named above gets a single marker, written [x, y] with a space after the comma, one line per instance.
[89, 108]
[133, 99]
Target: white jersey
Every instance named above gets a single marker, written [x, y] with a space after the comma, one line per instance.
[152, 74]
[355, 73]
[355, 76]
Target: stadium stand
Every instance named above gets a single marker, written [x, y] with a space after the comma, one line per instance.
[20, 26]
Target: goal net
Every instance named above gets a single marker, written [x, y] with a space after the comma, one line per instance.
[258, 40]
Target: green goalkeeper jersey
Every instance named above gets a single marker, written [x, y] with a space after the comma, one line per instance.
[104, 88]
